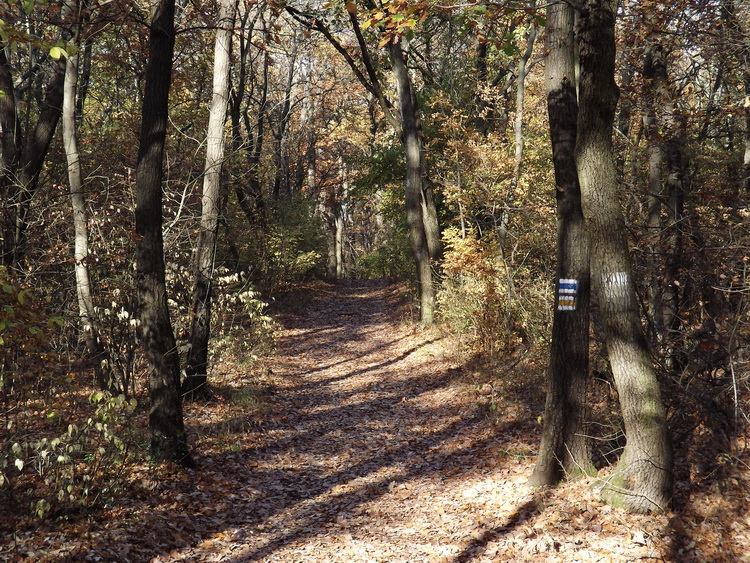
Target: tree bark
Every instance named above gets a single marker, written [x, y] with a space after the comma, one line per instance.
[740, 41]
[88, 317]
[565, 451]
[168, 438]
[643, 478]
[197, 362]
[414, 210]
[665, 189]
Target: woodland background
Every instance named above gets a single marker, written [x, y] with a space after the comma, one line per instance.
[312, 187]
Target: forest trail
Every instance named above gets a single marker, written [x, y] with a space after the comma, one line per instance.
[385, 451]
[380, 446]
[382, 453]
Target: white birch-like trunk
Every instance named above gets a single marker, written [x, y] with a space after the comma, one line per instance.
[197, 364]
[86, 312]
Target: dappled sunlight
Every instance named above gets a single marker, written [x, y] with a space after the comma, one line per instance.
[385, 447]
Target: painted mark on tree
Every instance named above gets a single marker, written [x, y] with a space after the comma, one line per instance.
[567, 292]
[616, 289]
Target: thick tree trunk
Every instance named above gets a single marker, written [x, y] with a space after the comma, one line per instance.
[168, 439]
[88, 317]
[643, 478]
[414, 195]
[565, 451]
[197, 363]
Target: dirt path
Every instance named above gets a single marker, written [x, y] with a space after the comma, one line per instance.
[381, 447]
[380, 453]
[383, 454]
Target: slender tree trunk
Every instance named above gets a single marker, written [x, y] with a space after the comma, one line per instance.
[168, 439]
[414, 209]
[655, 80]
[502, 228]
[88, 317]
[643, 478]
[740, 41]
[666, 188]
[282, 173]
[197, 363]
[565, 451]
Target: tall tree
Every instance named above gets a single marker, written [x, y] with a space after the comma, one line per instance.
[86, 311]
[739, 37]
[168, 439]
[421, 212]
[565, 450]
[643, 478]
[414, 193]
[197, 363]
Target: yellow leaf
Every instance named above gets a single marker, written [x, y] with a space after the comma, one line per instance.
[57, 52]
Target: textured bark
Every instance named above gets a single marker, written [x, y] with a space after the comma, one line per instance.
[565, 451]
[197, 363]
[168, 439]
[643, 478]
[666, 188]
[414, 193]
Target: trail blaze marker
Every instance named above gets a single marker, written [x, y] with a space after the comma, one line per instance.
[567, 292]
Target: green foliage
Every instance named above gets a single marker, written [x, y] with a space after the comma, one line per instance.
[392, 258]
[294, 245]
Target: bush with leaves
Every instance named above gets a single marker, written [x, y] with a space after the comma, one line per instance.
[241, 326]
[481, 300]
[52, 455]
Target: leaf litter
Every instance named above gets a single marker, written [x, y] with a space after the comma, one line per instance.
[377, 446]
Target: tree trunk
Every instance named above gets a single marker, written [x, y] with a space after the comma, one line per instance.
[24, 161]
[88, 317]
[168, 439]
[502, 228]
[666, 162]
[197, 363]
[565, 451]
[280, 156]
[643, 479]
[414, 210]
[740, 41]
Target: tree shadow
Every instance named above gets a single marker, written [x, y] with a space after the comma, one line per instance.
[522, 515]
